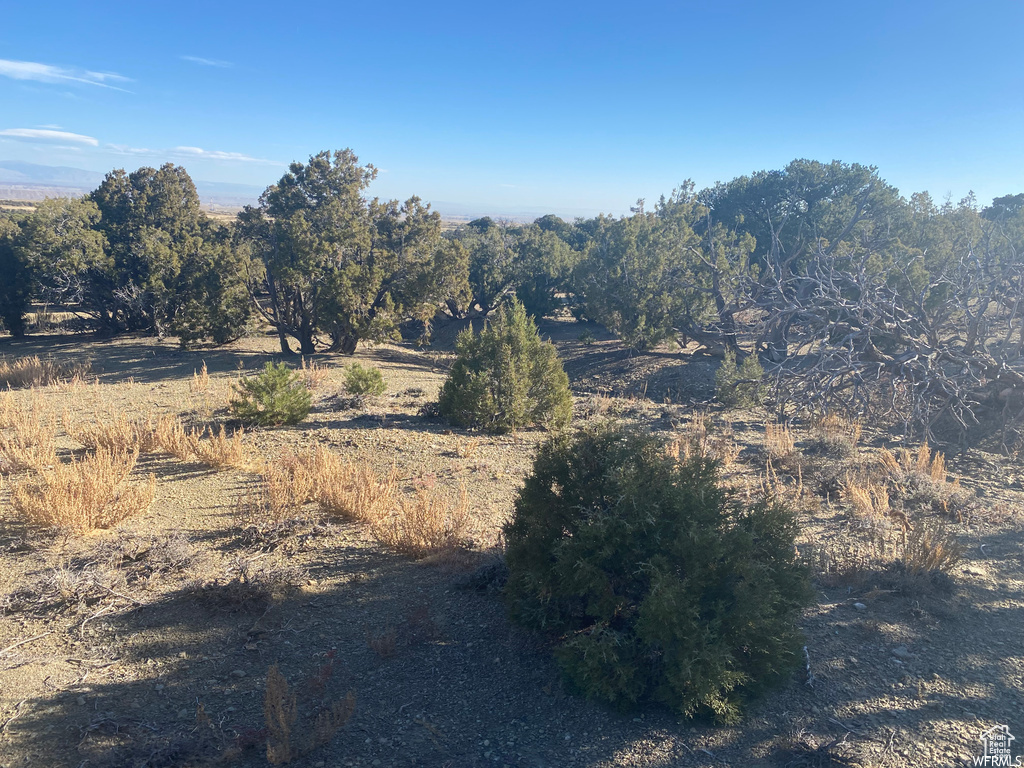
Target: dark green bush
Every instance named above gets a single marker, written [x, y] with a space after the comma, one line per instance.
[505, 377]
[364, 381]
[739, 386]
[273, 397]
[660, 585]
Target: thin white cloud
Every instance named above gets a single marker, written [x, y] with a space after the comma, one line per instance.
[214, 154]
[124, 149]
[48, 73]
[207, 62]
[42, 134]
[189, 153]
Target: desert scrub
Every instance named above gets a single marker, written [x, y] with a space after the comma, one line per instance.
[427, 524]
[274, 397]
[739, 386]
[38, 372]
[506, 377]
[835, 435]
[85, 494]
[660, 585]
[361, 380]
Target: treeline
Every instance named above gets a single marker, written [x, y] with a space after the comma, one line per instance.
[840, 284]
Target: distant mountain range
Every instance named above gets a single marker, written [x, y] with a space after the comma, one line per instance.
[30, 181]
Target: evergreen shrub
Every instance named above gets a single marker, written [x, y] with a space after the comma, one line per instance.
[659, 584]
[506, 377]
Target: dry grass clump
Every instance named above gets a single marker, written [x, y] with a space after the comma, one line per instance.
[171, 436]
[84, 494]
[283, 490]
[223, 451]
[29, 438]
[288, 738]
[920, 478]
[869, 500]
[699, 439]
[779, 441]
[35, 371]
[835, 435]
[115, 433]
[430, 523]
[466, 448]
[200, 380]
[349, 490]
[314, 376]
[930, 548]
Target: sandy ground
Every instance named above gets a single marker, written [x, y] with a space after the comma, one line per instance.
[148, 659]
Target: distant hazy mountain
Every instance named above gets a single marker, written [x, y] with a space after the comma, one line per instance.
[18, 172]
[30, 181]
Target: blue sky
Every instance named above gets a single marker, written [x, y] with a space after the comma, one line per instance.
[567, 107]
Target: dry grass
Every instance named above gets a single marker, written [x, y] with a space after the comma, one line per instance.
[869, 500]
[171, 436]
[779, 441]
[919, 478]
[86, 494]
[288, 737]
[38, 372]
[835, 435]
[200, 381]
[349, 490]
[466, 448]
[922, 464]
[284, 488]
[314, 376]
[428, 524]
[929, 548]
[114, 433]
[223, 451]
[698, 439]
[29, 438]
[384, 644]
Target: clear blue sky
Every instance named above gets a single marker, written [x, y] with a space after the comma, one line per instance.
[566, 107]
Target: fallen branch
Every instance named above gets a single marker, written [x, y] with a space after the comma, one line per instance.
[24, 642]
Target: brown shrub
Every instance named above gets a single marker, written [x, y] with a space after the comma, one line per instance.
[222, 451]
[115, 433]
[170, 435]
[85, 494]
[349, 490]
[429, 523]
[835, 435]
[200, 381]
[38, 372]
[29, 441]
[287, 737]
